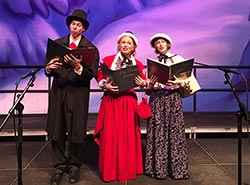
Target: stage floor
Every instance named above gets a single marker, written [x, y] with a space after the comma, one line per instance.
[212, 146]
[213, 161]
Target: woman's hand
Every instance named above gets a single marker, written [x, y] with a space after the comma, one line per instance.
[73, 61]
[53, 64]
[140, 82]
[153, 79]
[174, 84]
[109, 87]
[176, 81]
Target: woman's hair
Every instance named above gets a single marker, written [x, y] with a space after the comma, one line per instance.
[132, 36]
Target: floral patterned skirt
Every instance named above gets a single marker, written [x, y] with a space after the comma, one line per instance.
[166, 146]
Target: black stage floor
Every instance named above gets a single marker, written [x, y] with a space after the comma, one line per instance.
[212, 145]
[213, 161]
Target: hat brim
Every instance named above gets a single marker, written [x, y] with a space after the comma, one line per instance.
[83, 21]
[130, 35]
[156, 38]
[162, 36]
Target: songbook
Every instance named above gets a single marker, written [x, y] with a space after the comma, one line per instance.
[192, 86]
[55, 49]
[124, 78]
[165, 72]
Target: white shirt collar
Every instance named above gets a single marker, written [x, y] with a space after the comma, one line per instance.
[118, 58]
[76, 42]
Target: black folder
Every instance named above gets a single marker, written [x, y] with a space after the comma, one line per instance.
[166, 72]
[55, 49]
[124, 78]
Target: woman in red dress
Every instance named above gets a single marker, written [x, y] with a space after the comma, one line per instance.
[117, 129]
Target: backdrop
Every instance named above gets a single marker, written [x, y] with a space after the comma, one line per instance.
[213, 32]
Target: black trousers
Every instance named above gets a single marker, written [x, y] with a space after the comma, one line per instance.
[65, 152]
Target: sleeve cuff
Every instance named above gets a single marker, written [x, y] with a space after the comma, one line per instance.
[79, 72]
[102, 83]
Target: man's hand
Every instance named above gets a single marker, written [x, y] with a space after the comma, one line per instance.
[53, 64]
[73, 61]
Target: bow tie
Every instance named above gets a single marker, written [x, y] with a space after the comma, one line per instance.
[163, 58]
[72, 45]
[126, 62]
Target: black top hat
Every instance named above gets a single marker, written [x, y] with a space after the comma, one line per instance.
[78, 15]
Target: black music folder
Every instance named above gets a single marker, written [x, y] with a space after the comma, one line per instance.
[55, 49]
[166, 72]
[124, 78]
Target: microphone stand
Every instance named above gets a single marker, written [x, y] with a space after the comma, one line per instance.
[19, 107]
[240, 114]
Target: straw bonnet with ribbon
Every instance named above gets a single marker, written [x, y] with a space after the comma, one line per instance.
[78, 15]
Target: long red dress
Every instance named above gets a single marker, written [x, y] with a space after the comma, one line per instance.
[117, 133]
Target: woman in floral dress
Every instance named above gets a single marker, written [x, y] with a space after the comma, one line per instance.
[166, 146]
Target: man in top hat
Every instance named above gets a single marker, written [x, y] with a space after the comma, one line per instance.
[69, 101]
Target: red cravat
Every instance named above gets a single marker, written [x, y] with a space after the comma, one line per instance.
[72, 45]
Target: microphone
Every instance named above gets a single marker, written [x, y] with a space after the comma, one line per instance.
[229, 70]
[31, 73]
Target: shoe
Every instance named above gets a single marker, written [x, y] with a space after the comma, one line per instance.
[56, 178]
[181, 177]
[74, 176]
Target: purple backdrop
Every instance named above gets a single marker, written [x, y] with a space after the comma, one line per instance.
[213, 32]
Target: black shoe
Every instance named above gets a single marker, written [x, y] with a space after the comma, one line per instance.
[74, 176]
[56, 178]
